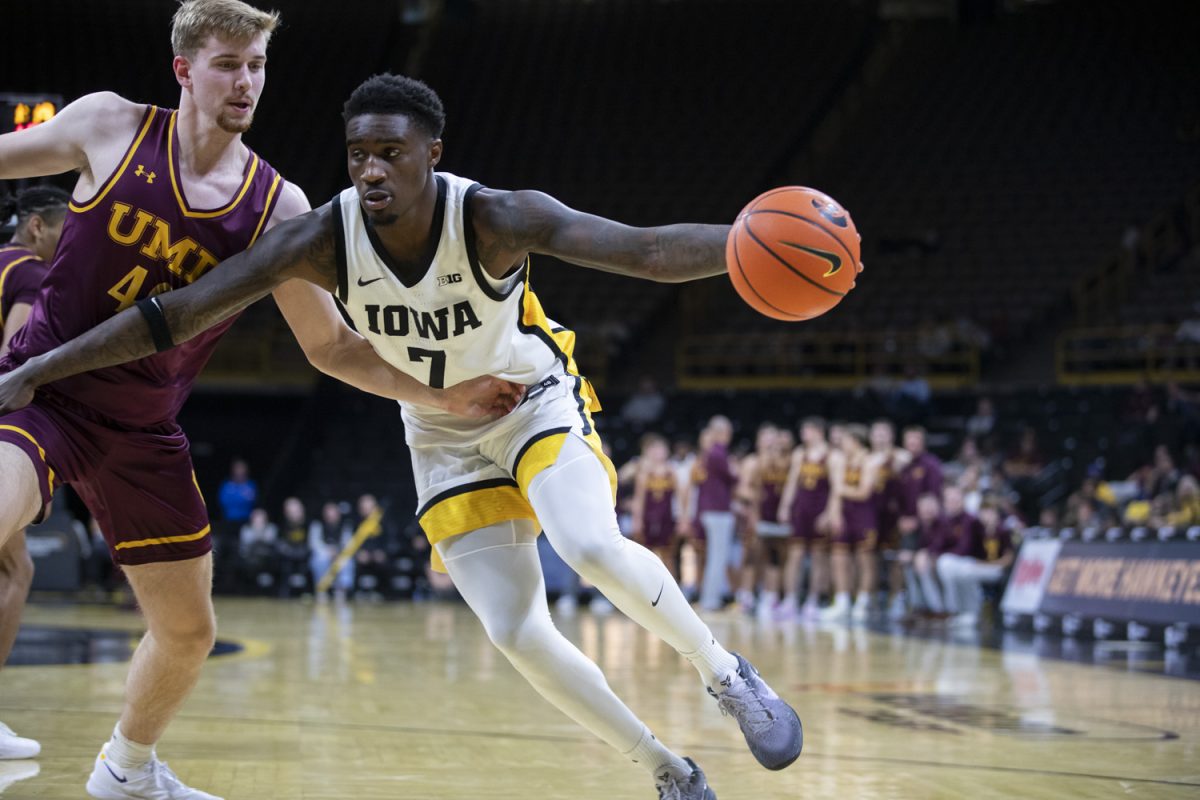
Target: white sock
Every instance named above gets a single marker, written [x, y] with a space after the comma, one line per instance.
[653, 755]
[126, 753]
[573, 501]
[863, 599]
[769, 599]
[714, 663]
[841, 600]
[789, 601]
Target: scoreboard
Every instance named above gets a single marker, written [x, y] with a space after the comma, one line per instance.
[21, 111]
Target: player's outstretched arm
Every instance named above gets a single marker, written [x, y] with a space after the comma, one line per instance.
[296, 248]
[510, 225]
[60, 144]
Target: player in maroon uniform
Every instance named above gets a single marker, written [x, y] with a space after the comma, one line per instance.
[654, 499]
[853, 474]
[958, 530]
[804, 502]
[714, 475]
[892, 461]
[40, 212]
[162, 198]
[982, 555]
[762, 476]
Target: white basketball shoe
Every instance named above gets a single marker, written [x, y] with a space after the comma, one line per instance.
[154, 781]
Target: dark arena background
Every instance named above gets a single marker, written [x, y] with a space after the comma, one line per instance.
[1026, 180]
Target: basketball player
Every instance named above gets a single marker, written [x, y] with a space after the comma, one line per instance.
[804, 503]
[714, 475]
[853, 475]
[654, 502]
[162, 198]
[892, 460]
[761, 478]
[922, 474]
[40, 212]
[434, 271]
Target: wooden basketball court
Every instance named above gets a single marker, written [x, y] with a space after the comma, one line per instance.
[360, 701]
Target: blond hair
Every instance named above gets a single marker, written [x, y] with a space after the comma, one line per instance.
[196, 20]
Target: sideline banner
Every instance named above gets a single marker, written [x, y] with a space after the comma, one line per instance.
[1148, 582]
[1030, 575]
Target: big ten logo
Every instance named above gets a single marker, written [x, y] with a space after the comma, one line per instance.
[446, 280]
[183, 257]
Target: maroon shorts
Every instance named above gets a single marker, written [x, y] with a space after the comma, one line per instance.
[659, 532]
[139, 485]
[804, 526]
[861, 525]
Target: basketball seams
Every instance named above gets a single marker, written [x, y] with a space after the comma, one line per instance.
[833, 235]
[737, 263]
[785, 262]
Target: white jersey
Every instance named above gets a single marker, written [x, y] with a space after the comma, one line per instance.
[456, 322]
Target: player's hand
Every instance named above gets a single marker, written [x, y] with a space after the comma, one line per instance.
[481, 398]
[16, 390]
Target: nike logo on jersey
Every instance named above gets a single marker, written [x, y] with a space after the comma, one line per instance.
[361, 282]
[660, 591]
[833, 259]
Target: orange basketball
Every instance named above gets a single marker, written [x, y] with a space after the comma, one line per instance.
[793, 253]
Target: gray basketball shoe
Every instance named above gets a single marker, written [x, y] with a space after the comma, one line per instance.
[694, 788]
[771, 727]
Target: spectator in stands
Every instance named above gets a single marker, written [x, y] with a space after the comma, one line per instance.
[1183, 509]
[1048, 518]
[982, 556]
[1139, 402]
[1159, 477]
[259, 533]
[645, 407]
[1086, 514]
[238, 493]
[256, 550]
[373, 562]
[1026, 461]
[968, 457]
[912, 397]
[292, 546]
[1099, 494]
[981, 424]
[326, 538]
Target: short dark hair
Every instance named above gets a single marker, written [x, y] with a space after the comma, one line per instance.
[45, 201]
[398, 94]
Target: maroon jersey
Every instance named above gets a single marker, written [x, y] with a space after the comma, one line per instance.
[773, 480]
[135, 238]
[962, 535]
[812, 487]
[658, 509]
[976, 541]
[21, 274]
[922, 475]
[861, 516]
[715, 479]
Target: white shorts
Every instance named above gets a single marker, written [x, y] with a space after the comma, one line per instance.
[461, 488]
[773, 530]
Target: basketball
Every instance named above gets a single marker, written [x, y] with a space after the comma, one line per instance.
[793, 253]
